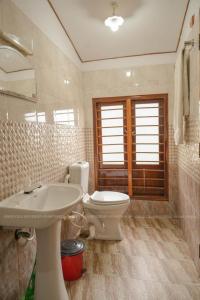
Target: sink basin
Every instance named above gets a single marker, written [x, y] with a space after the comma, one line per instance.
[41, 208]
[44, 209]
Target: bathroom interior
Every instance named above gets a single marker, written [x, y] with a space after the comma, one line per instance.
[100, 145]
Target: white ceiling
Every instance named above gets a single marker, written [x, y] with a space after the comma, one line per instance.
[151, 26]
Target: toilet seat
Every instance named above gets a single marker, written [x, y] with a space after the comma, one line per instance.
[109, 198]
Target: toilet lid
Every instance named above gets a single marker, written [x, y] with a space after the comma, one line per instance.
[107, 197]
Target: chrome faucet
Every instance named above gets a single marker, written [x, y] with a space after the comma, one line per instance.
[30, 188]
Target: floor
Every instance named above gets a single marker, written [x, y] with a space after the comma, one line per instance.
[152, 263]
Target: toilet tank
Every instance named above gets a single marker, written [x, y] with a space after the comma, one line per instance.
[79, 174]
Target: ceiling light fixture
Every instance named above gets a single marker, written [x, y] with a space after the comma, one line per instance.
[115, 21]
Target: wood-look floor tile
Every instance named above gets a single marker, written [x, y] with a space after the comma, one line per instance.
[159, 290]
[89, 287]
[152, 262]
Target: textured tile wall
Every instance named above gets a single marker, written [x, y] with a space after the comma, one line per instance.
[89, 146]
[173, 167]
[41, 153]
[188, 200]
[188, 207]
[188, 154]
[9, 284]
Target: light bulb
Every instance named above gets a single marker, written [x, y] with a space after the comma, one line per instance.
[114, 22]
[114, 27]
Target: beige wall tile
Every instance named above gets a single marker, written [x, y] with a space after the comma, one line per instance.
[144, 80]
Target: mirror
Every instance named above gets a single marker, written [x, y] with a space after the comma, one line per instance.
[17, 76]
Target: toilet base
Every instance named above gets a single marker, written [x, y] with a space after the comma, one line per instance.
[106, 227]
[111, 230]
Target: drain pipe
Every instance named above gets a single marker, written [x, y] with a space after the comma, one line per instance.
[90, 221]
[94, 222]
[67, 177]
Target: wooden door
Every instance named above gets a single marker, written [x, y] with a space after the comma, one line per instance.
[111, 144]
[131, 143]
[149, 147]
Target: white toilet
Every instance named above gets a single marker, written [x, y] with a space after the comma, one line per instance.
[104, 209]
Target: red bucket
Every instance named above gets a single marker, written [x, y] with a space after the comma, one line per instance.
[72, 259]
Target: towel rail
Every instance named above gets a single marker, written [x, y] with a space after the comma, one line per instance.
[189, 43]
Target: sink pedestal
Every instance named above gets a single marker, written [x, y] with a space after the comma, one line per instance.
[49, 277]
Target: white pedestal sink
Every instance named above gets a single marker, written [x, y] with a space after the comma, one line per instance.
[43, 209]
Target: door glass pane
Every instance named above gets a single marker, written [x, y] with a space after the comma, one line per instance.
[112, 140]
[111, 107]
[112, 132]
[146, 115]
[106, 114]
[147, 121]
[147, 157]
[112, 148]
[146, 112]
[147, 139]
[146, 105]
[118, 157]
[114, 122]
[147, 130]
[147, 148]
